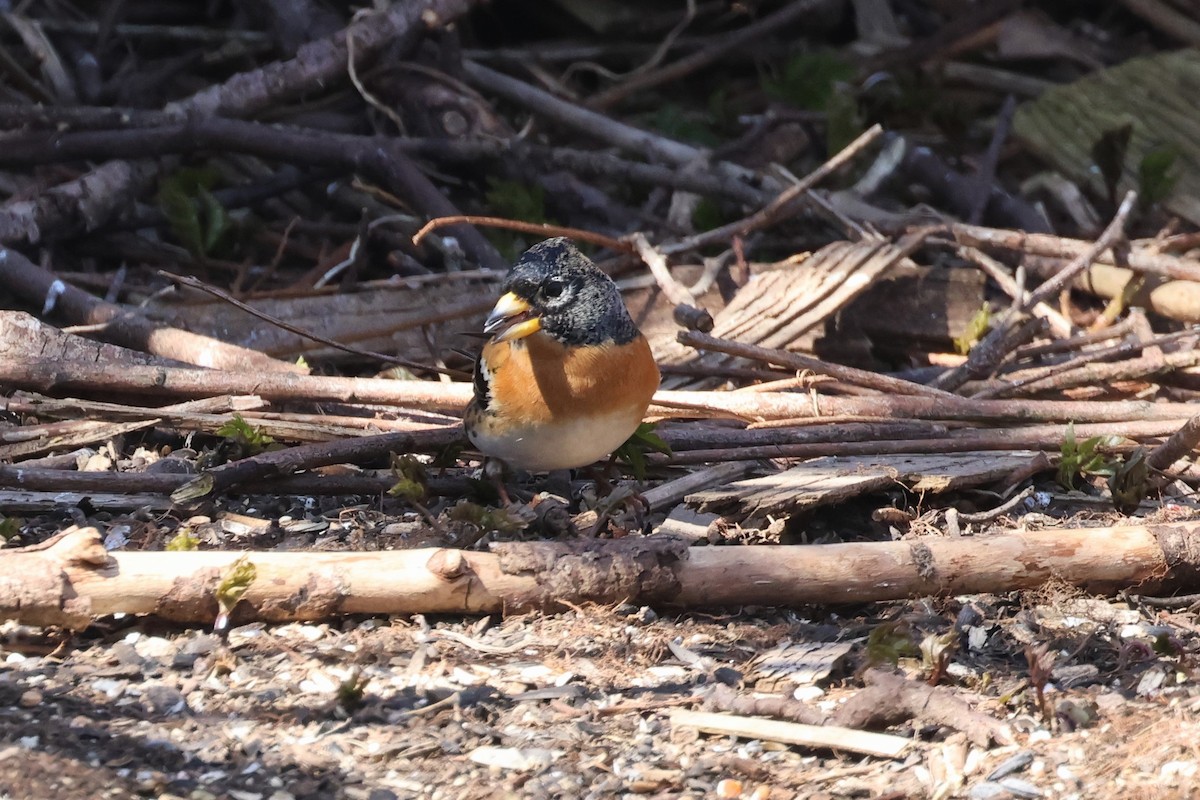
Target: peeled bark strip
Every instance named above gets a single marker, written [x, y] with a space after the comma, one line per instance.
[69, 579]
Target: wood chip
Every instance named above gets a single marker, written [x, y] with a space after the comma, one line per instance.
[825, 481]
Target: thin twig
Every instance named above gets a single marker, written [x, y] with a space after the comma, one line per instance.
[851, 375]
[195, 283]
[992, 349]
[598, 239]
[781, 205]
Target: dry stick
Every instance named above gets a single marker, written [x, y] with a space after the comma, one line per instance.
[1177, 25]
[986, 175]
[593, 124]
[1086, 368]
[538, 228]
[40, 287]
[88, 201]
[734, 40]
[53, 376]
[1115, 331]
[88, 432]
[284, 427]
[797, 361]
[1105, 374]
[686, 313]
[405, 178]
[70, 579]
[782, 204]
[669, 493]
[345, 451]
[74, 408]
[50, 376]
[106, 133]
[195, 283]
[953, 190]
[1138, 259]
[1060, 326]
[1107, 241]
[826, 737]
[62, 480]
[321, 62]
[1181, 444]
[890, 699]
[988, 353]
[75, 206]
[1036, 437]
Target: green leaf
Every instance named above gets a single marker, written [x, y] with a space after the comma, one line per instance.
[844, 122]
[888, 643]
[1084, 458]
[633, 451]
[182, 217]
[720, 109]
[350, 692]
[410, 478]
[1130, 482]
[707, 215]
[250, 438]
[501, 520]
[515, 200]
[1157, 175]
[196, 218]
[216, 220]
[234, 585]
[672, 119]
[200, 486]
[974, 331]
[936, 650]
[448, 455]
[10, 527]
[183, 541]
[808, 80]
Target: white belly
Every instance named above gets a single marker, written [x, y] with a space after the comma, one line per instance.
[560, 445]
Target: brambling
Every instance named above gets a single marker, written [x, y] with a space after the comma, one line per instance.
[566, 376]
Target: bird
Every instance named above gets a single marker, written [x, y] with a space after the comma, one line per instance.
[565, 376]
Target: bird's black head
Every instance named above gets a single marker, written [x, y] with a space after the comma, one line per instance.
[555, 288]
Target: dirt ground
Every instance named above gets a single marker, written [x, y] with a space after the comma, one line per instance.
[579, 704]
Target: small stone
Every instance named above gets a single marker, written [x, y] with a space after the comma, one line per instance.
[127, 655]
[109, 687]
[988, 791]
[117, 537]
[729, 789]
[1021, 788]
[161, 699]
[201, 644]
[521, 759]
[31, 699]
[182, 660]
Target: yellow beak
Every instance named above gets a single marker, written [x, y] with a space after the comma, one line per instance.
[511, 318]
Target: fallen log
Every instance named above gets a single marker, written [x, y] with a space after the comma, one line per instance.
[70, 579]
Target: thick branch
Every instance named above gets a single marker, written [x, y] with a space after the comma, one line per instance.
[53, 377]
[70, 580]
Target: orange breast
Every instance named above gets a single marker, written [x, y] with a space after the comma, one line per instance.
[536, 379]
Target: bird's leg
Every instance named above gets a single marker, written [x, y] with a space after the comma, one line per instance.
[493, 468]
[611, 497]
[602, 476]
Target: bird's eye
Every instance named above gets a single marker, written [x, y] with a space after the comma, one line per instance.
[552, 288]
